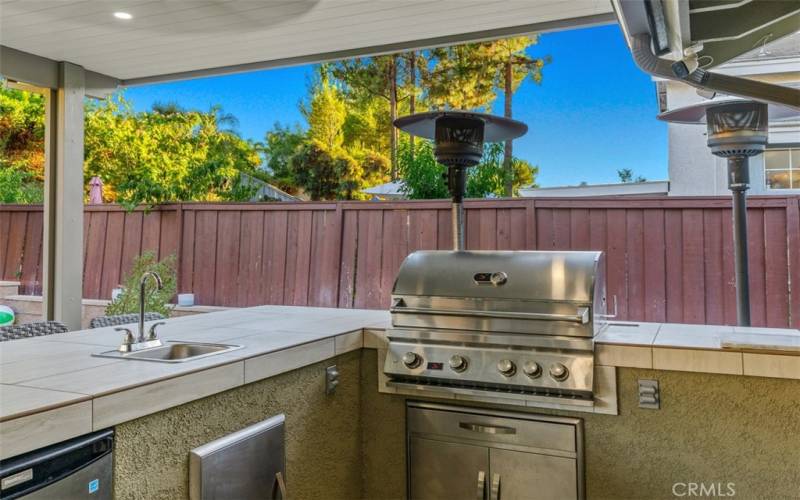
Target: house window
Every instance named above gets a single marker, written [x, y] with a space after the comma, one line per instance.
[782, 168]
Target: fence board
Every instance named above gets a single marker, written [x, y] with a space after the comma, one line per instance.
[793, 243]
[755, 230]
[112, 255]
[32, 255]
[205, 256]
[712, 265]
[15, 244]
[655, 272]
[93, 258]
[5, 222]
[251, 259]
[227, 262]
[667, 259]
[275, 239]
[186, 256]
[776, 286]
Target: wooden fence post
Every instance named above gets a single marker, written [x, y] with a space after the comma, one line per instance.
[179, 246]
[793, 259]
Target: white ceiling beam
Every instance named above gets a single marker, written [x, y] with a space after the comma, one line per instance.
[42, 72]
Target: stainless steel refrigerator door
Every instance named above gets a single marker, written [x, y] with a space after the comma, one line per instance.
[92, 482]
[248, 464]
[442, 470]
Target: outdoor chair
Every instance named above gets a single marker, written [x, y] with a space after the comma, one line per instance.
[122, 319]
[38, 329]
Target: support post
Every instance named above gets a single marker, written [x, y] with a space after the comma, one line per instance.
[739, 183]
[63, 207]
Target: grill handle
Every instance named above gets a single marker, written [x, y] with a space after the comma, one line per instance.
[582, 315]
[487, 429]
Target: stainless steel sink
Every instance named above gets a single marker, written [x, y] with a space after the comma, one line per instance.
[175, 351]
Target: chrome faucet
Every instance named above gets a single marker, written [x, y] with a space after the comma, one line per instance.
[131, 343]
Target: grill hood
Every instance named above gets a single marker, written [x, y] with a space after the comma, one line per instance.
[531, 292]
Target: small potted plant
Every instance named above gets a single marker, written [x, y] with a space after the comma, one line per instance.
[156, 300]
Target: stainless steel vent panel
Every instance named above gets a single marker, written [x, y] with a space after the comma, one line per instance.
[547, 276]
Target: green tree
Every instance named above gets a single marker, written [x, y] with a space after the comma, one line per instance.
[21, 145]
[469, 76]
[18, 185]
[377, 77]
[424, 178]
[513, 66]
[155, 157]
[325, 174]
[626, 175]
[325, 112]
[490, 177]
[422, 175]
[281, 143]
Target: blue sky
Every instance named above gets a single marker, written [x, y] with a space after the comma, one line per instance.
[594, 112]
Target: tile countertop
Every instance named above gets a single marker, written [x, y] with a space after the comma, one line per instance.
[52, 389]
[764, 352]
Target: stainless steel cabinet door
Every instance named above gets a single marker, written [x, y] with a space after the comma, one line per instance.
[517, 475]
[445, 471]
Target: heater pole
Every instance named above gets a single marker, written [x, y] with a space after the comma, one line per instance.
[739, 183]
[457, 180]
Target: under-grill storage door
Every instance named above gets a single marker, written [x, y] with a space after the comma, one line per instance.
[520, 475]
[457, 452]
[246, 465]
[441, 470]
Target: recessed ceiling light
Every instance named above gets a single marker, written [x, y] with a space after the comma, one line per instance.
[123, 15]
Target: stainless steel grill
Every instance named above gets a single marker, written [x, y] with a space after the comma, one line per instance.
[482, 323]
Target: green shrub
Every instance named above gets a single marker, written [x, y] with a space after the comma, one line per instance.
[155, 300]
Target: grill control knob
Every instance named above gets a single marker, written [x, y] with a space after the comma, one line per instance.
[506, 367]
[532, 369]
[412, 360]
[458, 363]
[559, 372]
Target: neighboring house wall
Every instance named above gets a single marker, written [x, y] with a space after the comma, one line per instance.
[266, 190]
[693, 170]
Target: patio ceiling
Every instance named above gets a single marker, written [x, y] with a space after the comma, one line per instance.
[178, 39]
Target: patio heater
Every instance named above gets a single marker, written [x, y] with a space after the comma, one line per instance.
[737, 129]
[458, 144]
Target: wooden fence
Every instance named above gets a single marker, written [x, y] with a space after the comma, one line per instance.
[668, 259]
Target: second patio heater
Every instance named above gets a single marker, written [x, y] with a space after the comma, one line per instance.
[737, 129]
[458, 144]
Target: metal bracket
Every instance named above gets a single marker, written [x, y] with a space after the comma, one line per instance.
[649, 395]
[331, 379]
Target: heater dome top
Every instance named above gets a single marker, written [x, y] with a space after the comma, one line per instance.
[695, 114]
[496, 128]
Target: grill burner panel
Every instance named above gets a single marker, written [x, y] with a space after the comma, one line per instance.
[482, 366]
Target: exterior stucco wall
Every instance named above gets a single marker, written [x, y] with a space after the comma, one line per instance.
[323, 447]
[710, 429]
